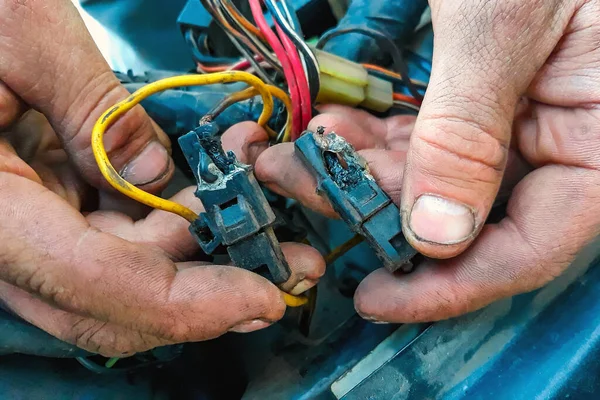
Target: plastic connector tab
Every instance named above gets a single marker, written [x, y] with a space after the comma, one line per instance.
[343, 177]
[237, 214]
[348, 83]
[379, 95]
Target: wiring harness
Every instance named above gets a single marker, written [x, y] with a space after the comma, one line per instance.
[277, 63]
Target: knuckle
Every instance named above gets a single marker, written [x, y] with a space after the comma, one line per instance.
[108, 340]
[100, 90]
[448, 164]
[474, 143]
[174, 330]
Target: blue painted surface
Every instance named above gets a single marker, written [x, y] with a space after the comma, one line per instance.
[149, 26]
[541, 345]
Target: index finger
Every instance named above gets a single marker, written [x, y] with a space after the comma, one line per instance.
[48, 249]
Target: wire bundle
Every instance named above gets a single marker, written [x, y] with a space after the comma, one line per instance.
[275, 56]
[282, 50]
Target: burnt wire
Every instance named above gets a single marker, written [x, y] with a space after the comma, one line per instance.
[386, 44]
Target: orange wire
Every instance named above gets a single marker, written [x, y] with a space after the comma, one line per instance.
[211, 68]
[243, 21]
[407, 99]
[390, 73]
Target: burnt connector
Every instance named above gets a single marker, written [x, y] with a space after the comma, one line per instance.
[343, 177]
[238, 215]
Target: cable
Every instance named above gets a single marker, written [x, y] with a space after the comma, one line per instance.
[258, 43]
[340, 251]
[294, 301]
[292, 17]
[298, 70]
[111, 362]
[249, 93]
[237, 15]
[277, 47]
[225, 20]
[209, 69]
[114, 113]
[385, 43]
[191, 39]
[250, 58]
[406, 106]
[406, 99]
[312, 65]
[104, 370]
[393, 75]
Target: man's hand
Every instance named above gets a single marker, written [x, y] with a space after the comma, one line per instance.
[511, 81]
[104, 281]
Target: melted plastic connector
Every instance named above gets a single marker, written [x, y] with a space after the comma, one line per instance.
[238, 214]
[348, 83]
[343, 177]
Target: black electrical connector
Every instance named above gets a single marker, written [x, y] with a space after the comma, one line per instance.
[344, 179]
[238, 215]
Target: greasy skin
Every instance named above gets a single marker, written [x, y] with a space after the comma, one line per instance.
[78, 260]
[512, 113]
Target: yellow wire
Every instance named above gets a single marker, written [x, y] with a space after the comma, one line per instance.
[114, 113]
[275, 92]
[109, 117]
[294, 301]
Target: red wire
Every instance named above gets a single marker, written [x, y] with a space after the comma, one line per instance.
[240, 66]
[281, 54]
[407, 99]
[298, 68]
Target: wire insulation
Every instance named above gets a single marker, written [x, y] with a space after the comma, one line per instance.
[394, 75]
[248, 94]
[312, 65]
[114, 113]
[385, 43]
[277, 47]
[341, 250]
[294, 301]
[298, 71]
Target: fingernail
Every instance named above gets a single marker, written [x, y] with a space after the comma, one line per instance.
[438, 220]
[252, 326]
[148, 166]
[373, 320]
[302, 287]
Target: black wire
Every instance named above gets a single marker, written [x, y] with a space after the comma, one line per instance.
[248, 42]
[192, 38]
[393, 79]
[312, 68]
[386, 43]
[268, 57]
